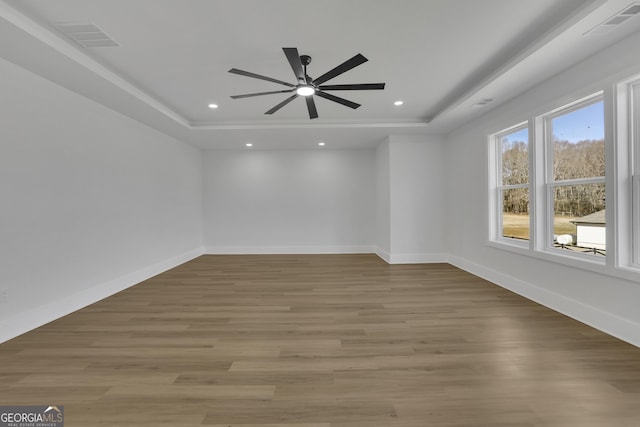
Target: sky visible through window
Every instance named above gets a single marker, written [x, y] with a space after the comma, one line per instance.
[519, 136]
[584, 124]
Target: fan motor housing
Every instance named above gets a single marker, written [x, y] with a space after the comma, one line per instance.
[305, 59]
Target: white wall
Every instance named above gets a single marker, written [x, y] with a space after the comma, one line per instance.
[290, 201]
[606, 302]
[383, 202]
[417, 199]
[411, 199]
[92, 202]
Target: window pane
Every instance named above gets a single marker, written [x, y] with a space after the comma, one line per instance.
[515, 157]
[515, 213]
[579, 218]
[578, 143]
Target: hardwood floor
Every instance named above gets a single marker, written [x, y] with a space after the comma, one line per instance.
[322, 341]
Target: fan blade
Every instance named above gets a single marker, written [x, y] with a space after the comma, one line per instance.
[258, 76]
[363, 86]
[337, 99]
[248, 95]
[294, 60]
[311, 106]
[344, 67]
[282, 104]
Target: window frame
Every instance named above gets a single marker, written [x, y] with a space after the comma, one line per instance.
[634, 169]
[497, 187]
[628, 174]
[545, 217]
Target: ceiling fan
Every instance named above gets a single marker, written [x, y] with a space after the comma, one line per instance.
[306, 86]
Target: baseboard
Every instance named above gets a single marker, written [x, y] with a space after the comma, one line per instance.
[418, 258]
[411, 258]
[297, 250]
[287, 250]
[386, 256]
[41, 315]
[606, 322]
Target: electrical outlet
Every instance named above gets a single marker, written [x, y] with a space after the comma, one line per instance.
[4, 297]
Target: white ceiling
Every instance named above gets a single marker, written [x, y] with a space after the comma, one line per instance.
[439, 56]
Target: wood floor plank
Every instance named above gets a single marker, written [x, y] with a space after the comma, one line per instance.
[273, 425]
[322, 341]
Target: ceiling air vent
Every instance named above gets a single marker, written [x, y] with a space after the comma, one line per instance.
[482, 102]
[612, 22]
[86, 35]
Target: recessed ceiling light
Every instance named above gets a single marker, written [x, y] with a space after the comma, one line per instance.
[213, 106]
[398, 103]
[321, 143]
[248, 144]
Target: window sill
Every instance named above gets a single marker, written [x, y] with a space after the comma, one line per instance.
[580, 262]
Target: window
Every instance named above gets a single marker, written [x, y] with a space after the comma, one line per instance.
[626, 184]
[548, 182]
[628, 173]
[512, 148]
[575, 177]
[576, 198]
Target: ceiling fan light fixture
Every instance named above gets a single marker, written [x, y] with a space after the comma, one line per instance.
[307, 86]
[305, 90]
